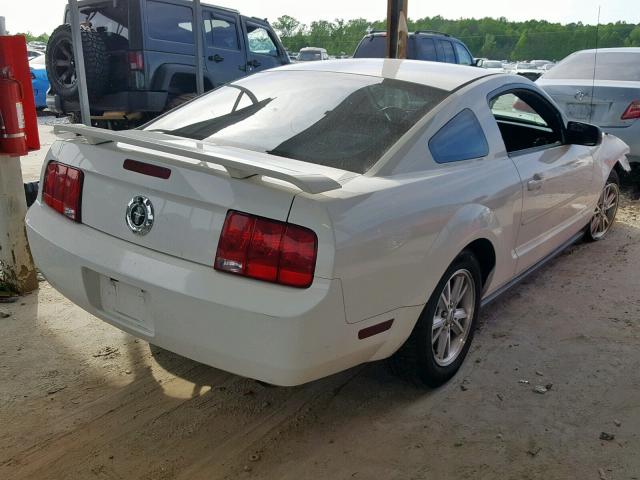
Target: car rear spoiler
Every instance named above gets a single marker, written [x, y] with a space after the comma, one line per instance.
[235, 165]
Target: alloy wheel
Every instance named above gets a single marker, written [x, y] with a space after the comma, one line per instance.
[64, 63]
[453, 317]
[605, 211]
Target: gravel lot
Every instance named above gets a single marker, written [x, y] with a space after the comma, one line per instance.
[80, 400]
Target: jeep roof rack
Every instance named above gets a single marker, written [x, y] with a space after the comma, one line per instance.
[434, 32]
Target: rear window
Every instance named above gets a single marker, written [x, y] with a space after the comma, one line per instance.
[310, 56]
[375, 46]
[610, 66]
[333, 119]
[105, 17]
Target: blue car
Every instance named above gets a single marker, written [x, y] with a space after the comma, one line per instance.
[39, 80]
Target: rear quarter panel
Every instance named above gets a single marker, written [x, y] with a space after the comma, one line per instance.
[396, 232]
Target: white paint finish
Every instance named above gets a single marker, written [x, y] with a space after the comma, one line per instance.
[237, 166]
[435, 74]
[557, 187]
[384, 240]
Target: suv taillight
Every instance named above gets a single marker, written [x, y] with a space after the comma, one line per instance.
[62, 189]
[136, 60]
[268, 250]
[632, 111]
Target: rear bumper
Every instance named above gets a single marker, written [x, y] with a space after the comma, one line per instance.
[191, 309]
[128, 102]
[629, 135]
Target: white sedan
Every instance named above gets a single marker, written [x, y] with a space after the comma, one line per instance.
[303, 220]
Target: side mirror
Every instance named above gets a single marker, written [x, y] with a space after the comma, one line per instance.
[578, 133]
[477, 62]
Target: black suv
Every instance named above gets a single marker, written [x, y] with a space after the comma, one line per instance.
[140, 55]
[423, 45]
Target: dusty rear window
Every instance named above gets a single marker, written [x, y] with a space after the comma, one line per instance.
[339, 120]
[624, 66]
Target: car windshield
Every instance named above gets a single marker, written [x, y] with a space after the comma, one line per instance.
[623, 66]
[339, 120]
[309, 56]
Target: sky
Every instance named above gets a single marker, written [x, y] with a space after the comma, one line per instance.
[42, 16]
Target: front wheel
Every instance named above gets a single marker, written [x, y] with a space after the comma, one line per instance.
[606, 209]
[441, 339]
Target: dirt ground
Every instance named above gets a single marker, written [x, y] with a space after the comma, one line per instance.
[80, 399]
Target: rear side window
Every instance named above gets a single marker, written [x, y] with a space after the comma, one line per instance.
[425, 48]
[462, 138]
[623, 66]
[221, 32]
[446, 51]
[260, 41]
[169, 22]
[463, 55]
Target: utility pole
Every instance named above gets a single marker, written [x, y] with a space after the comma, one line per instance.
[78, 55]
[397, 28]
[197, 31]
[17, 270]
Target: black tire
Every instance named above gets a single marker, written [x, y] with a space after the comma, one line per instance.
[31, 192]
[613, 184]
[415, 361]
[60, 63]
[175, 101]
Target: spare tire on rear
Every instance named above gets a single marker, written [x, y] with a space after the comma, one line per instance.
[60, 62]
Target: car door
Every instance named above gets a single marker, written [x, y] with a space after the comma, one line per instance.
[224, 56]
[556, 177]
[262, 47]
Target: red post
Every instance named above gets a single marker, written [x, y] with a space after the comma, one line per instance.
[18, 135]
[14, 63]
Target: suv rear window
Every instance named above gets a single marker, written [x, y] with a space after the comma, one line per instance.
[339, 120]
[105, 17]
[375, 46]
[610, 66]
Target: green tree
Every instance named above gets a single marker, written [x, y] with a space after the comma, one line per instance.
[286, 26]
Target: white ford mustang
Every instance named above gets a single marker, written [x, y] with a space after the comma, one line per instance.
[307, 219]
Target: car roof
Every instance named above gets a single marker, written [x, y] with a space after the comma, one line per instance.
[446, 76]
[612, 50]
[426, 33]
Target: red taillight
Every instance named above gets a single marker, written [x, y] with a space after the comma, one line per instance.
[136, 60]
[267, 250]
[632, 111]
[62, 189]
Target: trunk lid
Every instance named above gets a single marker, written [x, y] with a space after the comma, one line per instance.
[189, 207]
[604, 108]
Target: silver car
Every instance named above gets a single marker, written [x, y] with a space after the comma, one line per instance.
[602, 89]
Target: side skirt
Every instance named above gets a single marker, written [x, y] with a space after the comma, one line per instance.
[490, 298]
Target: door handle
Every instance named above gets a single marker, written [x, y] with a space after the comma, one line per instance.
[216, 58]
[535, 183]
[254, 63]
